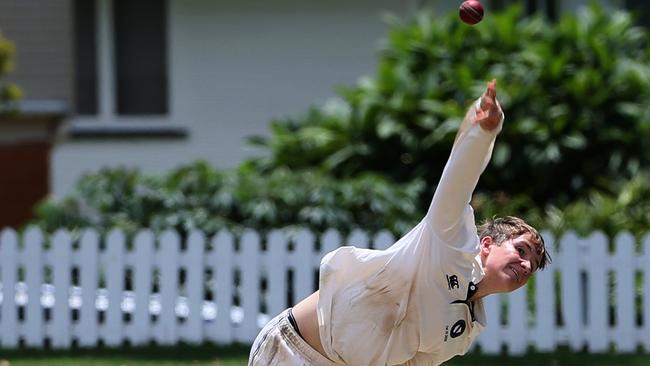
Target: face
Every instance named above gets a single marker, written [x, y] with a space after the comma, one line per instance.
[510, 264]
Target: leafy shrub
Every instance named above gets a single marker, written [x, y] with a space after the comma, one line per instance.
[8, 91]
[197, 196]
[575, 93]
[626, 208]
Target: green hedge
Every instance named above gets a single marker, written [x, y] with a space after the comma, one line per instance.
[576, 98]
[198, 196]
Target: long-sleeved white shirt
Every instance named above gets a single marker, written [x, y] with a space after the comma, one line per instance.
[407, 305]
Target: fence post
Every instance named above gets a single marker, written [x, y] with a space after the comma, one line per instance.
[491, 337]
[597, 302]
[143, 259]
[34, 325]
[89, 273]
[221, 331]
[249, 296]
[644, 264]
[8, 279]
[114, 270]
[624, 267]
[544, 335]
[383, 240]
[303, 270]
[61, 266]
[194, 281]
[330, 241]
[570, 292]
[168, 268]
[276, 273]
[517, 322]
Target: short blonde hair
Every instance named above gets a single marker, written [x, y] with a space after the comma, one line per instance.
[508, 227]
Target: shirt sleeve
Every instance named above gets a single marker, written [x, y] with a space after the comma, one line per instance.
[450, 214]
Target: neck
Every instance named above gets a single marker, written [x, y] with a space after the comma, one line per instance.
[483, 289]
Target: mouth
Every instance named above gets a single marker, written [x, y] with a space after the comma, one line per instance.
[514, 272]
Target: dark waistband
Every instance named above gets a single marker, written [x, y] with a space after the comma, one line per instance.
[294, 323]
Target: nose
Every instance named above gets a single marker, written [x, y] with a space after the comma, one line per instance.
[526, 266]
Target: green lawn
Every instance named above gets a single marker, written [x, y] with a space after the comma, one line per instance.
[237, 355]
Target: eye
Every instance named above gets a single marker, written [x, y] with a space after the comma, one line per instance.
[521, 251]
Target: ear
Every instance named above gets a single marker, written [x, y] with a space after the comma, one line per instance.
[486, 245]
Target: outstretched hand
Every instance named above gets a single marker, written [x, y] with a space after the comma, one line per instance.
[488, 114]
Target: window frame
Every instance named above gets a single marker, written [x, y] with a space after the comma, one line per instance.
[107, 122]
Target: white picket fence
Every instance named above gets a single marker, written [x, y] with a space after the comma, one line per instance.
[60, 292]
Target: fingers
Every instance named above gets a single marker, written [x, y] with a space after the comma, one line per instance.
[488, 114]
[489, 96]
[492, 89]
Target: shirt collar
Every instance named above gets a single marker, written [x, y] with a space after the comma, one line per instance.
[477, 269]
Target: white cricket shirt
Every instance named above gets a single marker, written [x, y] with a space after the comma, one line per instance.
[406, 305]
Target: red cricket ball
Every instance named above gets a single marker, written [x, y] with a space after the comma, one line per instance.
[471, 11]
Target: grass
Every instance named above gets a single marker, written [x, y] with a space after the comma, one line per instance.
[205, 355]
[208, 355]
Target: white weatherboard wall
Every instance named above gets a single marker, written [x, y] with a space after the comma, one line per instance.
[233, 67]
[78, 280]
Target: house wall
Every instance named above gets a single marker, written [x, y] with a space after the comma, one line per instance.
[234, 66]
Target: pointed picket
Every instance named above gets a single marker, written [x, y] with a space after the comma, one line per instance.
[276, 273]
[194, 280]
[167, 326]
[597, 302]
[61, 271]
[517, 335]
[544, 336]
[303, 270]
[358, 239]
[114, 267]
[490, 339]
[249, 294]
[8, 281]
[88, 330]
[624, 268]
[644, 264]
[142, 279]
[383, 240]
[34, 258]
[221, 330]
[570, 292]
[330, 241]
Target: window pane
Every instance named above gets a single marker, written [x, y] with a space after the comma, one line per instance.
[85, 57]
[141, 56]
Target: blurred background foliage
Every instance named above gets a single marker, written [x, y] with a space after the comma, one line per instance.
[573, 152]
[9, 92]
[197, 196]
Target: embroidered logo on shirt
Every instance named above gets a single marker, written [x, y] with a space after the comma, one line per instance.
[452, 282]
[458, 328]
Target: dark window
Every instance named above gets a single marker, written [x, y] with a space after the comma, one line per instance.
[141, 56]
[85, 57]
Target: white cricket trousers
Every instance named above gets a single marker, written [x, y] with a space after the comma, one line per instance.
[278, 344]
